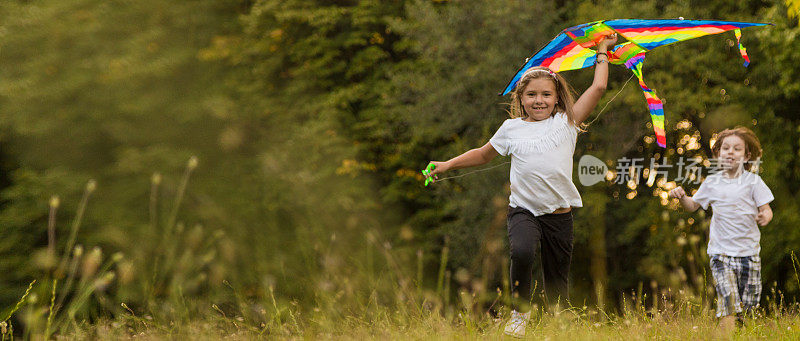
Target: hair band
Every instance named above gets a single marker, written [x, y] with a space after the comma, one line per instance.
[550, 72]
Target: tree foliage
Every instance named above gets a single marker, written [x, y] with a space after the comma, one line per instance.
[311, 120]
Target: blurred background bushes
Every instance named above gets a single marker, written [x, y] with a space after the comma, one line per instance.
[275, 146]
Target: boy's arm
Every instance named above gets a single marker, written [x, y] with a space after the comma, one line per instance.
[686, 201]
[689, 204]
[764, 215]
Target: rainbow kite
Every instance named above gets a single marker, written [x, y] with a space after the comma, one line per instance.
[570, 50]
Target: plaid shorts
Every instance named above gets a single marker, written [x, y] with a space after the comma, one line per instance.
[738, 283]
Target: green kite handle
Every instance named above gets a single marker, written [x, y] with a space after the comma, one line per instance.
[427, 173]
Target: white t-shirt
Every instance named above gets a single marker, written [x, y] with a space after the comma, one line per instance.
[733, 231]
[541, 162]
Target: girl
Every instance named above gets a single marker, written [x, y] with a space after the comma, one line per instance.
[540, 136]
[740, 200]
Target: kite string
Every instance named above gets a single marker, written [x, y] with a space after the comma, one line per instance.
[609, 101]
[475, 171]
[587, 125]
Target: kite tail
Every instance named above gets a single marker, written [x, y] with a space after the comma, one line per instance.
[654, 103]
[738, 33]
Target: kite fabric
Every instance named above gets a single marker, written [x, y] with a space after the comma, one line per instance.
[571, 50]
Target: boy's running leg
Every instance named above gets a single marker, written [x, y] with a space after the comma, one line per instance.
[723, 270]
[750, 282]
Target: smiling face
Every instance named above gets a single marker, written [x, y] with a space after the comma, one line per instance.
[539, 98]
[732, 153]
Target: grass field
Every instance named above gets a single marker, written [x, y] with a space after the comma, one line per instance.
[251, 319]
[89, 295]
[567, 325]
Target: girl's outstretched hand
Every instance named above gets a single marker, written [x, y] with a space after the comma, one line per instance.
[677, 192]
[441, 167]
[609, 41]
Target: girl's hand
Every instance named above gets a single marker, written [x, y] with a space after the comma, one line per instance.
[764, 215]
[441, 167]
[677, 192]
[604, 44]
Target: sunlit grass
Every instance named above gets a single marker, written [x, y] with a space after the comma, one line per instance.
[573, 324]
[87, 295]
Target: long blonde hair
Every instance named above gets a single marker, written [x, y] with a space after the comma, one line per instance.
[566, 97]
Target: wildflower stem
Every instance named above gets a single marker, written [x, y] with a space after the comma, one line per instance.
[794, 260]
[179, 196]
[76, 223]
[19, 303]
[442, 266]
[51, 230]
[50, 311]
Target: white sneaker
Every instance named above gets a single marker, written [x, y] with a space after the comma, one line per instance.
[516, 325]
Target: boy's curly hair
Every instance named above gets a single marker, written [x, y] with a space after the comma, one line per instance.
[752, 146]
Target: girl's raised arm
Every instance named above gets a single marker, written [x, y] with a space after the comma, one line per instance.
[588, 100]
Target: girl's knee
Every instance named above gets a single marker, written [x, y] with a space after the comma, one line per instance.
[522, 255]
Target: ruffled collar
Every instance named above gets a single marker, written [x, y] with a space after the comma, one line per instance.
[557, 133]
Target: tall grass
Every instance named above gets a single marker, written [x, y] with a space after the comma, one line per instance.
[78, 286]
[377, 291]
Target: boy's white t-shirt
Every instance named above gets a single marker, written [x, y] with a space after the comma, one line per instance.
[541, 162]
[733, 231]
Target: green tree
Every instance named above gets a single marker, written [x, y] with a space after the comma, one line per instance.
[112, 92]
